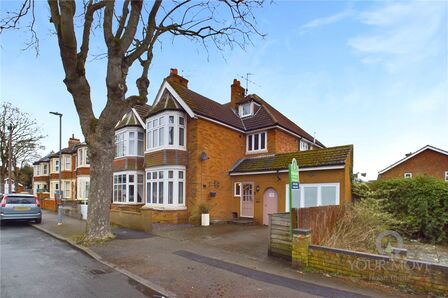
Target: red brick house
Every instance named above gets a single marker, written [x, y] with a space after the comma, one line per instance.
[187, 149]
[428, 160]
[75, 172]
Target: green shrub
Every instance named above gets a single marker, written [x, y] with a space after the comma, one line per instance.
[360, 225]
[419, 204]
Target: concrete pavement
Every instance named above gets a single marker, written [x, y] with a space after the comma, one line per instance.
[34, 264]
[216, 261]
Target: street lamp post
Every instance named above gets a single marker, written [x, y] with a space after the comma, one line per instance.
[59, 192]
[10, 128]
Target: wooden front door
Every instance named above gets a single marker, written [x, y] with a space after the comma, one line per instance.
[247, 200]
[270, 204]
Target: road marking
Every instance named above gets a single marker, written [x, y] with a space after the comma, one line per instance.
[294, 284]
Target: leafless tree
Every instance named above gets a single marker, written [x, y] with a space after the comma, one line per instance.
[26, 139]
[130, 29]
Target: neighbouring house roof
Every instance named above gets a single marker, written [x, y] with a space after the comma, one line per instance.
[133, 117]
[317, 158]
[411, 155]
[166, 103]
[46, 158]
[68, 150]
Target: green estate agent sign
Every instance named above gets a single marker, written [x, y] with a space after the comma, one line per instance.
[294, 192]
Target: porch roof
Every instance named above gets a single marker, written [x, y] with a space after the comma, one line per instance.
[326, 157]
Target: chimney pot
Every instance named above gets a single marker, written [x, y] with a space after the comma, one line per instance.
[175, 78]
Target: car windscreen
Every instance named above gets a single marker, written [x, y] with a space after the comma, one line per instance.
[20, 200]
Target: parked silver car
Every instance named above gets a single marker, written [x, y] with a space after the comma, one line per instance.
[20, 207]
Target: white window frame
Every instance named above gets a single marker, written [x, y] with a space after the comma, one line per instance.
[241, 109]
[319, 194]
[304, 146]
[135, 183]
[127, 149]
[66, 191]
[55, 164]
[237, 189]
[44, 169]
[53, 189]
[446, 176]
[83, 158]
[176, 180]
[83, 187]
[67, 166]
[407, 175]
[252, 136]
[160, 123]
[37, 170]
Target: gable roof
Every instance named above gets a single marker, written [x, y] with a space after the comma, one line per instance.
[207, 107]
[326, 157]
[272, 116]
[427, 147]
[133, 117]
[265, 116]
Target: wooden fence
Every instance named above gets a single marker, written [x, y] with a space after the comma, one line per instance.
[320, 220]
[279, 241]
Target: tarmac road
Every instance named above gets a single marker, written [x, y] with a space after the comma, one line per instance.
[33, 264]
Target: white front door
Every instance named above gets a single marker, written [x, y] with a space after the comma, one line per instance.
[247, 200]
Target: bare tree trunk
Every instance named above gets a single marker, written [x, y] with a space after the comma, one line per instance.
[101, 154]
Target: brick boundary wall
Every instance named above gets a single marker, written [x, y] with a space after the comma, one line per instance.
[421, 276]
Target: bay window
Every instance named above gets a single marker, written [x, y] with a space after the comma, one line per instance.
[45, 169]
[129, 142]
[67, 162]
[256, 142]
[128, 187]
[166, 131]
[83, 157]
[66, 189]
[83, 187]
[165, 187]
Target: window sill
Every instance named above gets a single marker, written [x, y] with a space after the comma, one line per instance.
[164, 208]
[128, 203]
[181, 148]
[126, 156]
[257, 151]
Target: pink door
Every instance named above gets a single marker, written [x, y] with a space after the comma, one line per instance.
[247, 200]
[270, 204]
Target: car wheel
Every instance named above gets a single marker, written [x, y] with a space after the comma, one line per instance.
[38, 221]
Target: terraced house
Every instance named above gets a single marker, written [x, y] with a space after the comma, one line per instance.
[186, 149]
[74, 168]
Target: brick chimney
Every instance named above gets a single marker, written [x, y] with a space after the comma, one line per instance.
[236, 93]
[73, 141]
[175, 78]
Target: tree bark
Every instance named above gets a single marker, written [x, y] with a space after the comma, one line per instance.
[101, 153]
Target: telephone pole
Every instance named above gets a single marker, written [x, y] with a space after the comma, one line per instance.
[10, 128]
[59, 192]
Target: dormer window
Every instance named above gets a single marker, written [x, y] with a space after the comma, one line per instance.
[246, 109]
[304, 146]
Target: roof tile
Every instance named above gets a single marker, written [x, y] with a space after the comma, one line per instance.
[305, 159]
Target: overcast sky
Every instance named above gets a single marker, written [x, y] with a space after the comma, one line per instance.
[371, 74]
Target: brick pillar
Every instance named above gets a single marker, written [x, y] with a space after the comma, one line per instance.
[301, 240]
